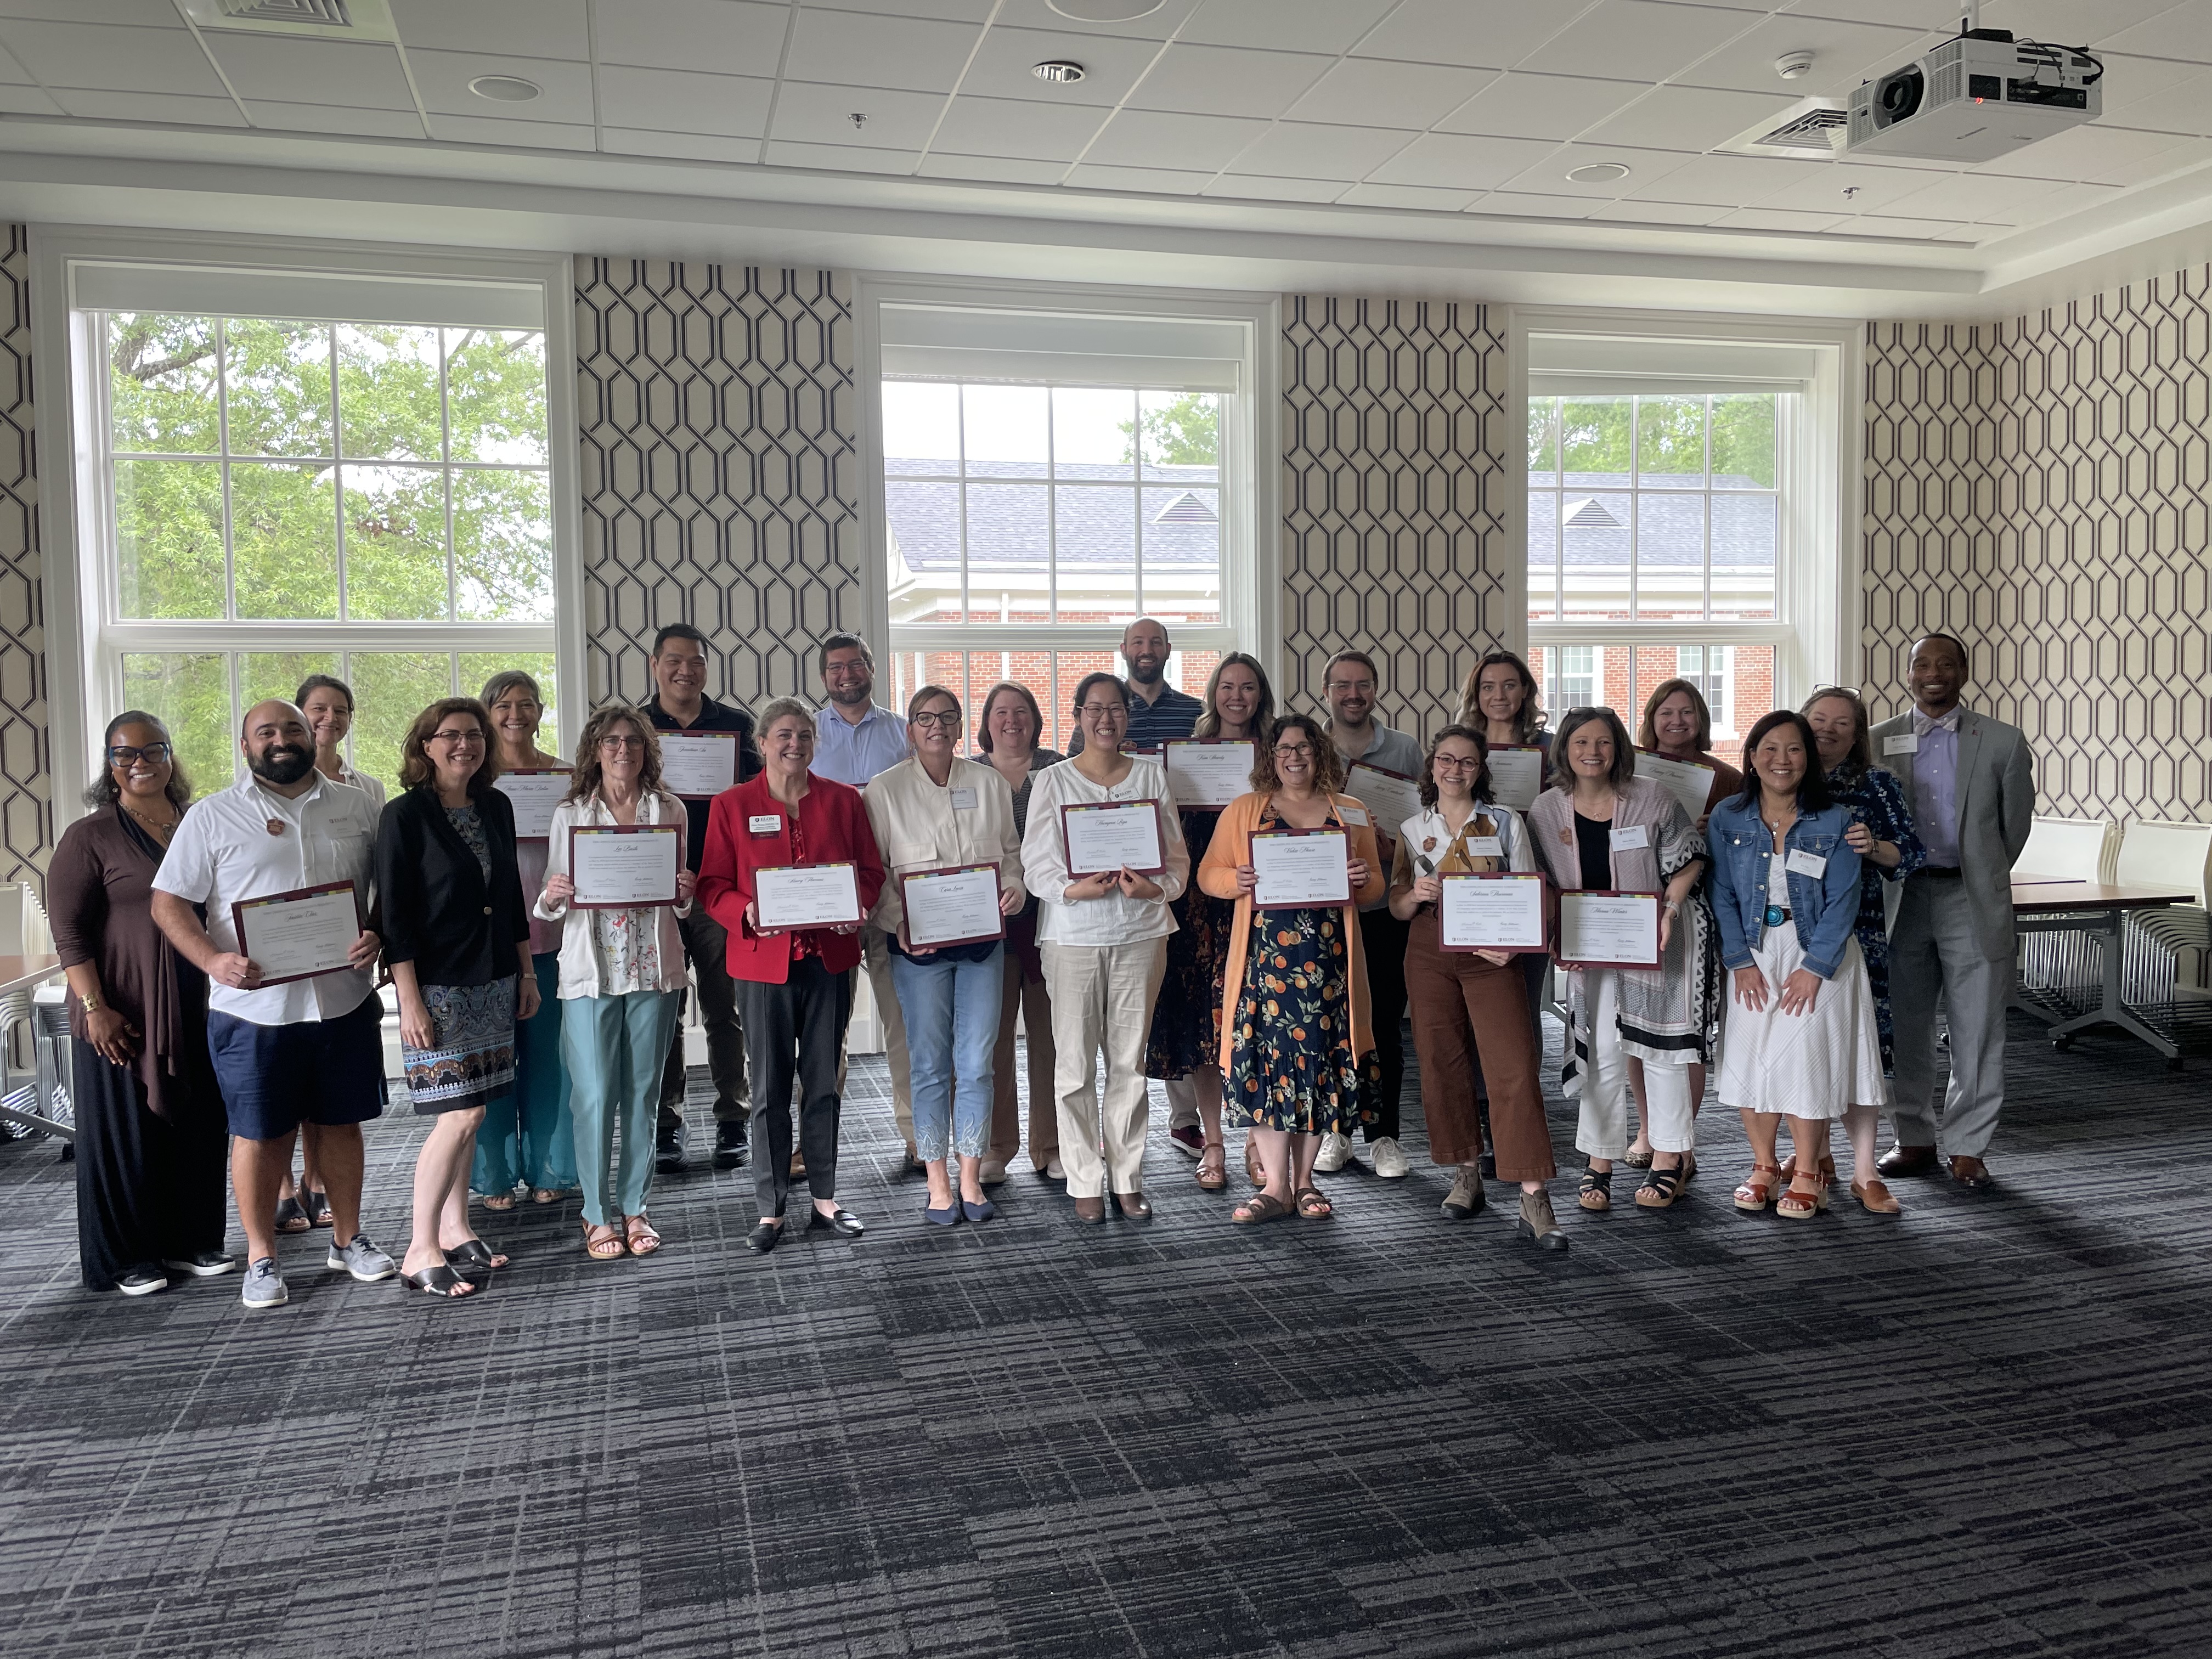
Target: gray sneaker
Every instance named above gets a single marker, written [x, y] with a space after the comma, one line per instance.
[264, 1284]
[362, 1259]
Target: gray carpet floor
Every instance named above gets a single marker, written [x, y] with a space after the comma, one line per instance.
[1983, 1429]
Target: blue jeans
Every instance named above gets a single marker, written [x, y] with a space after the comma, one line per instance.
[951, 1013]
[614, 1047]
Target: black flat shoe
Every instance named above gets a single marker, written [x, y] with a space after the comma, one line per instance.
[764, 1237]
[839, 1221]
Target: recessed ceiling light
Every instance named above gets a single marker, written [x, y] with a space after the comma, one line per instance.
[1105, 11]
[1598, 173]
[1057, 70]
[505, 88]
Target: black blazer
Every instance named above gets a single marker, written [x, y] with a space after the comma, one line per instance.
[434, 908]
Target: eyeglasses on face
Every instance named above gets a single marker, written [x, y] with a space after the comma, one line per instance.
[457, 739]
[619, 744]
[1100, 710]
[1293, 751]
[1456, 763]
[946, 721]
[154, 754]
[845, 671]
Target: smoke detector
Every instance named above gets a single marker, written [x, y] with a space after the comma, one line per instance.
[1794, 65]
[327, 19]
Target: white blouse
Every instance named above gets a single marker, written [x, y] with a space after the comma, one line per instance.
[611, 953]
[1116, 918]
[1427, 832]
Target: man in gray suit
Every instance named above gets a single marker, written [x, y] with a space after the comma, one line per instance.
[1973, 804]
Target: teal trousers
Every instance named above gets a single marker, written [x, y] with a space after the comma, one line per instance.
[525, 1136]
[614, 1046]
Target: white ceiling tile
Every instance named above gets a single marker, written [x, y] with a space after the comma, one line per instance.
[1548, 177]
[351, 74]
[1369, 92]
[1330, 26]
[180, 109]
[2144, 92]
[1227, 81]
[672, 100]
[1153, 26]
[1147, 138]
[145, 14]
[2105, 22]
[808, 113]
[1655, 213]
[13, 74]
[1637, 40]
[1725, 180]
[1522, 105]
[1005, 126]
[1111, 66]
[112, 59]
[841, 158]
[1904, 14]
[951, 11]
[1956, 195]
[279, 116]
[544, 28]
[2099, 155]
[1417, 197]
[1687, 118]
[1448, 160]
[28, 101]
[993, 169]
[1150, 181]
[1259, 187]
[1487, 33]
[1817, 186]
[443, 78]
[678, 146]
[1917, 230]
[714, 37]
[1531, 204]
[1844, 54]
[508, 131]
[1783, 219]
[846, 48]
[1291, 149]
[2058, 202]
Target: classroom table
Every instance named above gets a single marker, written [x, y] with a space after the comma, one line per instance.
[2055, 904]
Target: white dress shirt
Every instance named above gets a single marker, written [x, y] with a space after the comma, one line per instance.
[1427, 834]
[920, 826]
[223, 853]
[1116, 919]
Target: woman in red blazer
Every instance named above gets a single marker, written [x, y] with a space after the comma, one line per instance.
[795, 988]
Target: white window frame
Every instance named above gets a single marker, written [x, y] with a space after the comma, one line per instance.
[85, 680]
[1251, 448]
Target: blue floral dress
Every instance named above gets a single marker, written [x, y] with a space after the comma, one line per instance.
[1875, 799]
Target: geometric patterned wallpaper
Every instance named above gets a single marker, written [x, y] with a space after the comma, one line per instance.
[1396, 434]
[2040, 487]
[26, 784]
[720, 447]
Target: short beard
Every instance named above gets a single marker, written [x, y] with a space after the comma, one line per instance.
[851, 697]
[1142, 677]
[282, 765]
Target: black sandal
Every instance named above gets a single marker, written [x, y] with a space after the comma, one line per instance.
[288, 1212]
[317, 1206]
[1661, 1188]
[440, 1281]
[1597, 1189]
[475, 1253]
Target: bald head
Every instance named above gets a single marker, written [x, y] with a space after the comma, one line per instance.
[1145, 648]
[277, 746]
[1935, 674]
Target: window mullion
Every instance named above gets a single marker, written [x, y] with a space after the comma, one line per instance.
[223, 462]
[445, 484]
[339, 487]
[1635, 477]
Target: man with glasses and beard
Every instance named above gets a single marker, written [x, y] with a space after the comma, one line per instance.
[306, 1051]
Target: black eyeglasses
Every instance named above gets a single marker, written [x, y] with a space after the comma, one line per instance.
[944, 722]
[154, 754]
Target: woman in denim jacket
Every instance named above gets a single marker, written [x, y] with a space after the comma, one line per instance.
[1802, 1039]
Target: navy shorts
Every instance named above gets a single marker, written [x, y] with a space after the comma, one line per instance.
[275, 1078]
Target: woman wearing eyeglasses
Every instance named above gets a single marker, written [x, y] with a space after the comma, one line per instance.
[150, 1140]
[1103, 937]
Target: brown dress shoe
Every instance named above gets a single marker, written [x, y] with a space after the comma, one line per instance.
[1904, 1160]
[1971, 1172]
[1090, 1210]
[1135, 1206]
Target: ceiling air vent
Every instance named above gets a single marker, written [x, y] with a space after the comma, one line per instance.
[1811, 128]
[326, 20]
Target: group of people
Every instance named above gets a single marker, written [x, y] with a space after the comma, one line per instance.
[1850, 877]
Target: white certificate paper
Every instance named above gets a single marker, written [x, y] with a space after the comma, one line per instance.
[1113, 835]
[534, 793]
[1609, 930]
[625, 866]
[1690, 782]
[1209, 772]
[1301, 867]
[1498, 911]
[1393, 797]
[299, 935]
[698, 765]
[1517, 775]
[792, 895]
[954, 906]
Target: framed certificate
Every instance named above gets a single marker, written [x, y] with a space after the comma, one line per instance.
[534, 792]
[1604, 929]
[1690, 782]
[1113, 835]
[1493, 910]
[956, 905]
[1206, 774]
[625, 866]
[1517, 775]
[1393, 796]
[299, 934]
[790, 897]
[1298, 868]
[698, 765]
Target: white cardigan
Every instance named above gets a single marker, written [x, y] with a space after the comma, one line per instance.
[581, 973]
[1116, 918]
[920, 826]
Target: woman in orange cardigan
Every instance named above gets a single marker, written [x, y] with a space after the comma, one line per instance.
[1298, 1057]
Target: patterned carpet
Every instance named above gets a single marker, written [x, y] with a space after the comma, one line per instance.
[1983, 1430]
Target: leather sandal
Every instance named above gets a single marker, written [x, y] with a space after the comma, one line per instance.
[639, 1235]
[1875, 1197]
[1313, 1204]
[1252, 1170]
[603, 1241]
[441, 1282]
[1760, 1187]
[292, 1217]
[1661, 1188]
[1797, 1205]
[1212, 1172]
[1597, 1189]
[1260, 1206]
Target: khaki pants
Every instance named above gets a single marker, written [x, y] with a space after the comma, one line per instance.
[1102, 997]
[1029, 999]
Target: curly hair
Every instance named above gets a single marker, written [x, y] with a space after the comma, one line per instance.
[417, 771]
[1479, 787]
[1328, 765]
[104, 792]
[584, 784]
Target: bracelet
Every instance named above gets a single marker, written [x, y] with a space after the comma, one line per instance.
[91, 1004]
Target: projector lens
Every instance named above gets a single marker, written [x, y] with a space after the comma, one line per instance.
[1896, 96]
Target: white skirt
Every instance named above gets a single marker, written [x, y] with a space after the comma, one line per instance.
[1814, 1065]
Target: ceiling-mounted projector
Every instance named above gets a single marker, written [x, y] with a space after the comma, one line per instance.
[1974, 99]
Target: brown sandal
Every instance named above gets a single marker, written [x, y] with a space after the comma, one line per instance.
[1260, 1206]
[1252, 1171]
[1796, 1206]
[602, 1240]
[1212, 1173]
[639, 1234]
[1313, 1204]
[1759, 1187]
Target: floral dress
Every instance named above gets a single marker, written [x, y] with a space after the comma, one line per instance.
[1187, 1018]
[1291, 1066]
[1874, 798]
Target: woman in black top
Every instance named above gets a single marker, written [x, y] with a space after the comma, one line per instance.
[456, 938]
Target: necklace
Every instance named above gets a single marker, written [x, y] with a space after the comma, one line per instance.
[159, 828]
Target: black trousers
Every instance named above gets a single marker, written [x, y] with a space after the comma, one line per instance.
[149, 1189]
[795, 1029]
[1382, 937]
[707, 943]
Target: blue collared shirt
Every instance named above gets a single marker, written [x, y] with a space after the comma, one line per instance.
[1935, 787]
[852, 754]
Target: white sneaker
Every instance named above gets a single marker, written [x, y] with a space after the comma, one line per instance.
[1389, 1163]
[1335, 1153]
[1052, 1169]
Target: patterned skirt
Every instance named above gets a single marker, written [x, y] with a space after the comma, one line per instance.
[1291, 1065]
[472, 1057]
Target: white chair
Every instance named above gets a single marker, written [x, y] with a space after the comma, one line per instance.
[2074, 849]
[2157, 854]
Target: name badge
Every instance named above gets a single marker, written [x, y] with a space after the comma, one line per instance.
[1901, 743]
[765, 824]
[1633, 838]
[964, 800]
[1352, 815]
[1802, 863]
[1485, 847]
